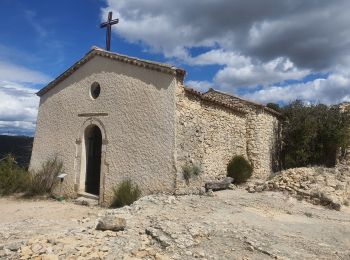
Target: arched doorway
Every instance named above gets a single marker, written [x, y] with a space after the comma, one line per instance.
[93, 145]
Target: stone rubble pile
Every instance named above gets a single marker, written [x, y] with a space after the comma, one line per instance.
[328, 187]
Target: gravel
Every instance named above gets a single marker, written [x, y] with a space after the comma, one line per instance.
[230, 224]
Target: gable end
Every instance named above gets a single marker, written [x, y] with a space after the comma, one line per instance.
[160, 67]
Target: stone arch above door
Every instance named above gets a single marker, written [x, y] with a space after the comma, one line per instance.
[93, 121]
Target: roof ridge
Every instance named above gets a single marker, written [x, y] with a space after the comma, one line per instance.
[245, 100]
[207, 98]
[135, 58]
[96, 51]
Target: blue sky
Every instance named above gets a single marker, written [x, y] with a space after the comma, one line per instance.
[270, 51]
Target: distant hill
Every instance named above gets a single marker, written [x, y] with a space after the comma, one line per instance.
[19, 146]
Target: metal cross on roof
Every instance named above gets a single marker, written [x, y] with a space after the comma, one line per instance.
[109, 24]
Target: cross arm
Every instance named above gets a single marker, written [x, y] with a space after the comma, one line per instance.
[105, 24]
[115, 21]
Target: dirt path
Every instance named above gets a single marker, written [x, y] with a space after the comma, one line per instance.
[230, 225]
[21, 220]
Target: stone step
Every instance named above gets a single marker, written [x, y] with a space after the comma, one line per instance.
[87, 199]
[88, 195]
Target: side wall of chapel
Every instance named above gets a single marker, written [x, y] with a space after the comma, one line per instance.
[209, 135]
[263, 128]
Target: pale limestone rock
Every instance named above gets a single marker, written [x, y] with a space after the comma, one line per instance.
[141, 253]
[161, 257]
[112, 223]
[25, 250]
[15, 246]
[232, 187]
[329, 187]
[49, 257]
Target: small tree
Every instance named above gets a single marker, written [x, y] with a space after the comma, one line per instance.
[44, 180]
[125, 194]
[239, 169]
[312, 134]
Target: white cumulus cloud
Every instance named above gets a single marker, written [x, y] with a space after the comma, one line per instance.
[18, 102]
[201, 86]
[15, 73]
[254, 42]
[18, 108]
[256, 73]
[332, 90]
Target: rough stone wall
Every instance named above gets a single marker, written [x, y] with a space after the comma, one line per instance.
[263, 130]
[207, 135]
[138, 127]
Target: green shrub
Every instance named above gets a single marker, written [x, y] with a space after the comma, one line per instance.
[12, 177]
[312, 134]
[190, 170]
[186, 171]
[125, 194]
[44, 180]
[274, 106]
[239, 169]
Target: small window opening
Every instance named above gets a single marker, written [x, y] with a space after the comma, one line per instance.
[95, 90]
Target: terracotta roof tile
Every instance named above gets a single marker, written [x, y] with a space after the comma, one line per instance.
[214, 100]
[237, 101]
[231, 101]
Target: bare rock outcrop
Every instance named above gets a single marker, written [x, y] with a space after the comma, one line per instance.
[111, 223]
[329, 187]
[219, 185]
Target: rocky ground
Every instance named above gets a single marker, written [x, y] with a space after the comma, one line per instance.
[329, 187]
[232, 224]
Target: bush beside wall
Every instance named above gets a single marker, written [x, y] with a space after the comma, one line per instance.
[125, 194]
[44, 180]
[239, 169]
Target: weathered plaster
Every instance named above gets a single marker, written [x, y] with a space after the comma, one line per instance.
[140, 126]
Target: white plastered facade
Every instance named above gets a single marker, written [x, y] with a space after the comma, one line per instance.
[135, 113]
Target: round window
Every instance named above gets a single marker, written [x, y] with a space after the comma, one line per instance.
[95, 90]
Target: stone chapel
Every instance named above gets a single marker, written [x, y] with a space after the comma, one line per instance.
[111, 117]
